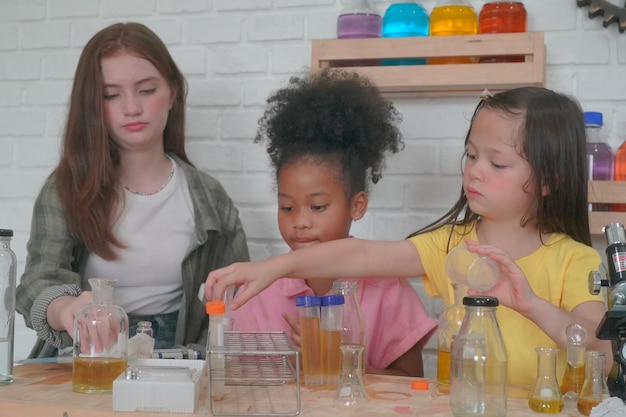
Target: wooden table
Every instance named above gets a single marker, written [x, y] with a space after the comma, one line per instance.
[45, 390]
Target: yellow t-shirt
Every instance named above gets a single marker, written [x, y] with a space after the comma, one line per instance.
[557, 272]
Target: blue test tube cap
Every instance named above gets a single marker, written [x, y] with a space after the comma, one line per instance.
[333, 300]
[308, 301]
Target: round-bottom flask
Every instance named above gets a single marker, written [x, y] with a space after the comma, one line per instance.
[100, 341]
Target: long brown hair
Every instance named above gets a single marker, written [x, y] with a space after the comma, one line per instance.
[552, 140]
[87, 174]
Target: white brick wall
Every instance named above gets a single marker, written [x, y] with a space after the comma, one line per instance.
[234, 53]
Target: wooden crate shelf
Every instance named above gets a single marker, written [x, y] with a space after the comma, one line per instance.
[606, 192]
[438, 80]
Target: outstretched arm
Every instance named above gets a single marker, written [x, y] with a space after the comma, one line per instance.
[344, 258]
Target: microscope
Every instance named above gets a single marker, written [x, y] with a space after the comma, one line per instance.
[613, 324]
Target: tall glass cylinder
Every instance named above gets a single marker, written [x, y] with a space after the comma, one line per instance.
[100, 341]
[353, 330]
[8, 263]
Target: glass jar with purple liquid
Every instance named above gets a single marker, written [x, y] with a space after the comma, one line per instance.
[359, 19]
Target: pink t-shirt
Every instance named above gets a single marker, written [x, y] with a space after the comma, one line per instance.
[395, 318]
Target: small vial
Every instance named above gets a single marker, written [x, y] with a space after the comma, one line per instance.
[145, 327]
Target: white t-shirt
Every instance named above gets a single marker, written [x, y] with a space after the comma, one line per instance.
[157, 230]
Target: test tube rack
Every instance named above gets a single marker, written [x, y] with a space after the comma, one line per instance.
[254, 374]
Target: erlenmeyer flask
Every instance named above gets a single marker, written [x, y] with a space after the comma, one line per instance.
[100, 340]
[594, 389]
[575, 371]
[546, 395]
[351, 390]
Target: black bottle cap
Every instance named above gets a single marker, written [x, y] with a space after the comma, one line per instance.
[6, 232]
[480, 301]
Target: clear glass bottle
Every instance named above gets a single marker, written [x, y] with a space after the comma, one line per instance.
[594, 389]
[353, 329]
[403, 20]
[546, 395]
[575, 371]
[8, 264]
[478, 378]
[502, 17]
[450, 18]
[309, 313]
[359, 19]
[100, 340]
[449, 323]
[331, 326]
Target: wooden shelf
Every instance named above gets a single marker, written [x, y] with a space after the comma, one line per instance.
[606, 192]
[438, 80]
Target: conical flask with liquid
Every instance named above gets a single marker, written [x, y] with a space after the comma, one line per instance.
[575, 371]
[100, 341]
[546, 395]
[594, 389]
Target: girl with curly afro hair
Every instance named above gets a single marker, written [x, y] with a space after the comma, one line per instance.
[327, 135]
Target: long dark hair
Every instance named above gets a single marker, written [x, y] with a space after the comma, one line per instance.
[552, 140]
[87, 174]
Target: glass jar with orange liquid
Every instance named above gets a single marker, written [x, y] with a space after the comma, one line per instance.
[502, 17]
[449, 18]
[100, 341]
[331, 326]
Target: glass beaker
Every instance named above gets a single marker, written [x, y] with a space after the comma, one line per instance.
[100, 341]
[546, 395]
[594, 389]
[351, 390]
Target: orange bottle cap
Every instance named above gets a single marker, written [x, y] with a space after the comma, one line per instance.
[215, 307]
[420, 385]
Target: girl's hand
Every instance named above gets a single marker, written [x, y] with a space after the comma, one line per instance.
[512, 288]
[294, 323]
[254, 277]
[62, 310]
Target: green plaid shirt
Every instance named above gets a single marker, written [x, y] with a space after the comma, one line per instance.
[54, 256]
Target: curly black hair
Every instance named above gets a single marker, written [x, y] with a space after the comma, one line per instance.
[334, 117]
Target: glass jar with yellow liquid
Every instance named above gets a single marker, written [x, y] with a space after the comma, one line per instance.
[450, 18]
[449, 323]
[100, 341]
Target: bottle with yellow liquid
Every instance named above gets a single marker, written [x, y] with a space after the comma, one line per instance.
[546, 395]
[449, 322]
[100, 341]
[450, 18]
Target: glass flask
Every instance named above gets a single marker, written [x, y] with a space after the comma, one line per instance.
[546, 395]
[594, 389]
[100, 340]
[353, 328]
[478, 377]
[575, 371]
[449, 323]
[449, 18]
[351, 390]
